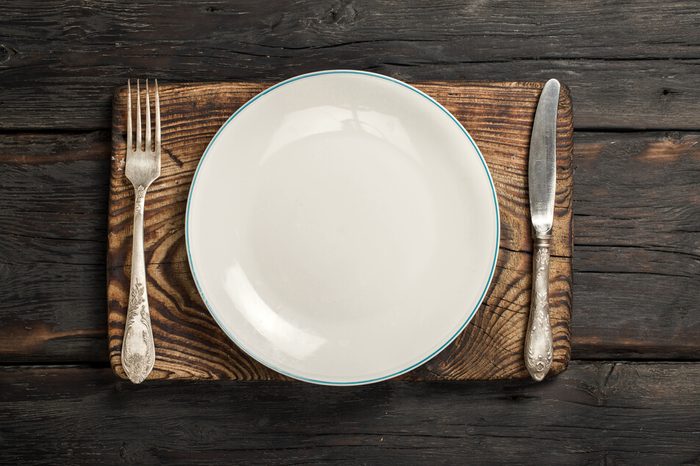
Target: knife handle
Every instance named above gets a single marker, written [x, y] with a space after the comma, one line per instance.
[538, 339]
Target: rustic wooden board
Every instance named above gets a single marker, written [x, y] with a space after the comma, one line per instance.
[189, 343]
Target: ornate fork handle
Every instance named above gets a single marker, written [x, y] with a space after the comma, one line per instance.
[538, 340]
[138, 351]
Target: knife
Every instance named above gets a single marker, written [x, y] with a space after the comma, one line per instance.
[542, 170]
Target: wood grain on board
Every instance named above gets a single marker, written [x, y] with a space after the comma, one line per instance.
[189, 344]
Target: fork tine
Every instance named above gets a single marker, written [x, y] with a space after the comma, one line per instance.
[129, 141]
[157, 109]
[138, 115]
[148, 121]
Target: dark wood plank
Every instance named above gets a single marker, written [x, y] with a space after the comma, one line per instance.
[630, 64]
[584, 29]
[594, 413]
[637, 252]
[635, 293]
[52, 246]
[190, 344]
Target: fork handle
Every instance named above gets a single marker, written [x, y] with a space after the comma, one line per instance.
[538, 339]
[138, 350]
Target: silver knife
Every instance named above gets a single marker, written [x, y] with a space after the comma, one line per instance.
[542, 170]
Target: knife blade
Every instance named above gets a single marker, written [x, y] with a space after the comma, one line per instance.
[542, 186]
[543, 153]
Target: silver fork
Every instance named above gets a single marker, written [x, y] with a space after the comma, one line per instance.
[142, 168]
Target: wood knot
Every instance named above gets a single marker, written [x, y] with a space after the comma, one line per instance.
[667, 92]
[343, 13]
[5, 54]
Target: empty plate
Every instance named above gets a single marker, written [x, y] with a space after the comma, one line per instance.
[342, 227]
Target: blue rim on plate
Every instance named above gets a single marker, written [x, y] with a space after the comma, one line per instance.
[213, 312]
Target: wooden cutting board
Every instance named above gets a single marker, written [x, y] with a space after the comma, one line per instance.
[190, 345]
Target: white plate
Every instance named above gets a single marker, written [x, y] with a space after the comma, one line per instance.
[342, 227]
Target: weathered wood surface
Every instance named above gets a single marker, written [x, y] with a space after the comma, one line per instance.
[190, 344]
[594, 413]
[635, 262]
[637, 253]
[630, 64]
[53, 231]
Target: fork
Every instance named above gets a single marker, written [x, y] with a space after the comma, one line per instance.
[142, 168]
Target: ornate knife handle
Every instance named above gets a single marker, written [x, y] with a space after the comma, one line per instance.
[138, 351]
[538, 340]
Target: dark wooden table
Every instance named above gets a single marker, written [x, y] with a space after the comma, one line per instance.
[632, 391]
